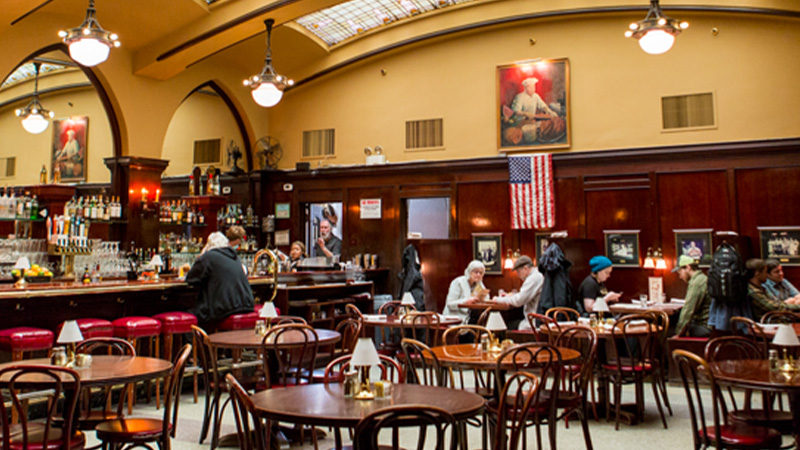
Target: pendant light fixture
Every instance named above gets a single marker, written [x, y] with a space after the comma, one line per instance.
[267, 87]
[89, 44]
[656, 33]
[35, 118]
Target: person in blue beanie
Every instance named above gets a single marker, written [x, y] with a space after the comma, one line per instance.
[594, 284]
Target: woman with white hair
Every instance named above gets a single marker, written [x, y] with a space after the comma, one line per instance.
[465, 289]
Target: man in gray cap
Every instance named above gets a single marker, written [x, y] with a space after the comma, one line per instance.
[529, 293]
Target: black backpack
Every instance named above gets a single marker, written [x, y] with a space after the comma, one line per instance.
[727, 282]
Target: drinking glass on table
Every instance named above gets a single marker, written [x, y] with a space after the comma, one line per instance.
[643, 300]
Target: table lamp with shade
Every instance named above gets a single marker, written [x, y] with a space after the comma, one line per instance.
[497, 326]
[364, 357]
[157, 264]
[22, 265]
[267, 312]
[600, 307]
[70, 335]
[786, 337]
[407, 303]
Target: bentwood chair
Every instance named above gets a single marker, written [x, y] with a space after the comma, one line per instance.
[289, 353]
[425, 418]
[781, 317]
[536, 320]
[53, 383]
[350, 331]
[422, 326]
[662, 369]
[517, 399]
[249, 425]
[421, 364]
[484, 317]
[632, 357]
[577, 378]
[563, 314]
[714, 429]
[141, 431]
[743, 326]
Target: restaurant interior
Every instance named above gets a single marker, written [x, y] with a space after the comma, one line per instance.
[396, 122]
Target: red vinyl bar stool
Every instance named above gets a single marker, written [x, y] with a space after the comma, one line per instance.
[92, 328]
[178, 322]
[135, 329]
[239, 322]
[20, 340]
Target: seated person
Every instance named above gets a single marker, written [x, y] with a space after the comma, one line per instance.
[297, 253]
[593, 286]
[327, 244]
[777, 285]
[693, 320]
[467, 288]
[530, 292]
[761, 300]
[224, 289]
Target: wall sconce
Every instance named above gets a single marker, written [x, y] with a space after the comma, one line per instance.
[649, 262]
[509, 262]
[661, 264]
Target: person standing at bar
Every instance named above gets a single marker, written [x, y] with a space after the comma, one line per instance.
[224, 289]
[327, 244]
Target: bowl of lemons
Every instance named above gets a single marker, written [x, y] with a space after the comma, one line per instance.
[36, 274]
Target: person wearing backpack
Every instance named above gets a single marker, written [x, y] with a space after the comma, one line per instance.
[727, 287]
[761, 300]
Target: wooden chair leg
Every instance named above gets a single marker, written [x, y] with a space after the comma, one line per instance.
[194, 374]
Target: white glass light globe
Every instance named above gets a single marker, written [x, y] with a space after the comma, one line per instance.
[89, 52]
[267, 95]
[35, 123]
[656, 42]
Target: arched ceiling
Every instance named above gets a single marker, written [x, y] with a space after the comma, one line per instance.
[167, 37]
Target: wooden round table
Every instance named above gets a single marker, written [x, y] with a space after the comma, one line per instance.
[107, 369]
[471, 355]
[249, 339]
[382, 320]
[756, 374]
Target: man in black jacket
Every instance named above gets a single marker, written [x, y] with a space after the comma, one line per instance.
[224, 289]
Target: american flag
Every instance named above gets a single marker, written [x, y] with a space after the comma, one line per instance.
[531, 188]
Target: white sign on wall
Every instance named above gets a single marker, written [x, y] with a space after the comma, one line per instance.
[370, 208]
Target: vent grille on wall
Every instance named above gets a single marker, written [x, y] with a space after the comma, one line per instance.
[8, 167]
[424, 134]
[688, 111]
[318, 143]
[207, 151]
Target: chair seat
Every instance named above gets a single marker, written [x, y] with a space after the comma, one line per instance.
[239, 322]
[36, 438]
[136, 327]
[176, 322]
[738, 434]
[25, 339]
[627, 368]
[130, 430]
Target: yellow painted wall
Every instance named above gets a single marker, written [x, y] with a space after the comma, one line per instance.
[200, 116]
[615, 87]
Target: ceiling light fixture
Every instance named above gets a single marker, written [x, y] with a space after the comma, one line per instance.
[89, 44]
[267, 87]
[656, 33]
[35, 118]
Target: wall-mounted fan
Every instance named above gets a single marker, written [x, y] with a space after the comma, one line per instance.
[269, 152]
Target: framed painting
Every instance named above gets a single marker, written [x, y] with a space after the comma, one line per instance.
[283, 210]
[781, 243]
[622, 247]
[696, 244]
[70, 138]
[488, 248]
[533, 105]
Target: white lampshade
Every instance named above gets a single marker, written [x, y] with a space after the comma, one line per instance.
[656, 42]
[22, 263]
[408, 299]
[268, 311]
[785, 336]
[156, 261]
[496, 322]
[70, 332]
[267, 94]
[365, 353]
[89, 52]
[509, 264]
[35, 123]
[600, 305]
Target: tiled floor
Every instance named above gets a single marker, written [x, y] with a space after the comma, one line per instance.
[650, 434]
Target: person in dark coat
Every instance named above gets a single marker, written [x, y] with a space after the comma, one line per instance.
[557, 289]
[411, 278]
[224, 289]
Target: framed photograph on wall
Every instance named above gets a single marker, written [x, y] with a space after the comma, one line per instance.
[696, 244]
[622, 247]
[70, 138]
[533, 105]
[283, 210]
[781, 243]
[488, 248]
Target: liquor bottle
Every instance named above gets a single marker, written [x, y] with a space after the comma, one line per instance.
[191, 185]
[87, 277]
[34, 208]
[87, 209]
[43, 175]
[201, 219]
[56, 174]
[93, 209]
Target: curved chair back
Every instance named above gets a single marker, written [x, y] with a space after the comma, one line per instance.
[289, 352]
[393, 307]
[537, 320]
[743, 326]
[354, 313]
[368, 430]
[350, 331]
[563, 314]
[635, 339]
[484, 317]
[578, 372]
[421, 364]
[544, 359]
[781, 317]
[422, 326]
[106, 346]
[249, 425]
[732, 347]
[54, 382]
[518, 396]
[283, 320]
[470, 334]
[390, 369]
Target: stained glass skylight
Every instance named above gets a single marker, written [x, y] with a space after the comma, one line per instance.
[27, 71]
[348, 19]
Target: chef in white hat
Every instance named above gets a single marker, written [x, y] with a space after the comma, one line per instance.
[527, 102]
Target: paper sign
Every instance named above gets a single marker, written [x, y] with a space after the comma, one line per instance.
[655, 288]
[370, 208]
[282, 237]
